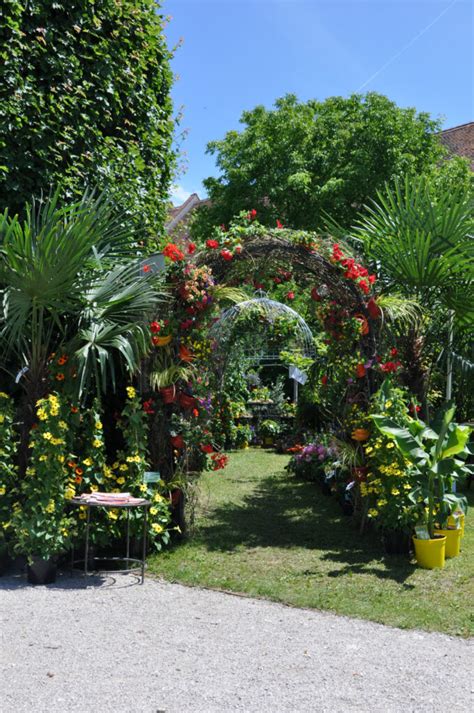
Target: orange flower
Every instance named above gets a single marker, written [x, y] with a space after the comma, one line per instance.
[62, 360]
[74, 409]
[360, 434]
[78, 479]
[364, 325]
[79, 471]
[60, 376]
[71, 464]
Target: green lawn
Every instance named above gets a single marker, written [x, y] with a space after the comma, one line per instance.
[263, 533]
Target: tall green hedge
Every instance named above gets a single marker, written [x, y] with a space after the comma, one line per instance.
[85, 98]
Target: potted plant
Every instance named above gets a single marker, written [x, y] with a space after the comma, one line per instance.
[436, 455]
[8, 477]
[269, 430]
[42, 528]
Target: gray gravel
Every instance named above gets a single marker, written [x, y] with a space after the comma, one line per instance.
[112, 645]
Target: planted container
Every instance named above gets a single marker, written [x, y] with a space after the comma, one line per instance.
[430, 554]
[41, 571]
[169, 394]
[453, 541]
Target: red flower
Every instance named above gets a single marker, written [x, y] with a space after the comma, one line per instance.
[146, 268]
[324, 379]
[290, 295]
[393, 351]
[213, 244]
[238, 249]
[195, 412]
[315, 295]
[226, 254]
[148, 406]
[372, 279]
[390, 367]
[413, 408]
[219, 460]
[373, 309]
[252, 214]
[172, 252]
[155, 327]
[336, 253]
[360, 371]
[191, 248]
[279, 224]
[155, 340]
[206, 448]
[364, 286]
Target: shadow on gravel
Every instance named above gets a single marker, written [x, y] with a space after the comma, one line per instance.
[287, 513]
[75, 582]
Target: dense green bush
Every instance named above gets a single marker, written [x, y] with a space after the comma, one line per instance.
[85, 98]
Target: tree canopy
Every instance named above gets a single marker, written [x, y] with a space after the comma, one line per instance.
[85, 98]
[301, 159]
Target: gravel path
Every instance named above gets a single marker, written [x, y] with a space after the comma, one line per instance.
[112, 645]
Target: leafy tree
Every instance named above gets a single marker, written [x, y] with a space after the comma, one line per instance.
[301, 159]
[85, 98]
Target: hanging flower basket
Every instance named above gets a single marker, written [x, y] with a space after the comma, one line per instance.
[187, 402]
[162, 341]
[169, 394]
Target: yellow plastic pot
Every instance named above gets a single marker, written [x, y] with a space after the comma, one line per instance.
[453, 541]
[430, 554]
[461, 518]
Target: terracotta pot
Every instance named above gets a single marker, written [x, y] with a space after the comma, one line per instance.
[360, 473]
[169, 394]
[177, 441]
[186, 401]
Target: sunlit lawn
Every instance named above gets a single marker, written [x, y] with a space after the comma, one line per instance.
[263, 533]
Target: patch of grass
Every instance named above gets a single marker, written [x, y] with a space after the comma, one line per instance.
[263, 533]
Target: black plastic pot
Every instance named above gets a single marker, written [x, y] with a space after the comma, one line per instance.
[5, 563]
[396, 542]
[41, 571]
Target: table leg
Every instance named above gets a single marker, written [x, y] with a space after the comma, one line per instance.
[86, 553]
[128, 536]
[144, 543]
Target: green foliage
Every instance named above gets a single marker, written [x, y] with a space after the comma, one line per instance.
[437, 456]
[85, 99]
[302, 159]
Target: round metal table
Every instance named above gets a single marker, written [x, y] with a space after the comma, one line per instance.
[140, 563]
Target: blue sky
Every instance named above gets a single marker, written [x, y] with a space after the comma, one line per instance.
[236, 54]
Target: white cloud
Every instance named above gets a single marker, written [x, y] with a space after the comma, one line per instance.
[179, 194]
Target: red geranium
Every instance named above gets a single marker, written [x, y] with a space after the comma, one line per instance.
[213, 244]
[252, 214]
[360, 371]
[172, 252]
[148, 406]
[155, 327]
[226, 254]
[191, 248]
[290, 295]
[206, 448]
[390, 367]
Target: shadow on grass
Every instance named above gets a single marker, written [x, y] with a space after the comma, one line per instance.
[283, 512]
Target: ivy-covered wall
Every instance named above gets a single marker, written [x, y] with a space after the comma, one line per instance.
[85, 97]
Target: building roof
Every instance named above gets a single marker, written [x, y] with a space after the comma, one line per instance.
[460, 140]
[177, 224]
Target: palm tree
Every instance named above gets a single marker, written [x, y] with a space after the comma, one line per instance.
[420, 240]
[69, 281]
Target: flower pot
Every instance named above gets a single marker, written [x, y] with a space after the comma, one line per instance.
[41, 571]
[430, 554]
[187, 402]
[168, 394]
[162, 341]
[267, 441]
[175, 497]
[461, 519]
[5, 562]
[396, 542]
[453, 541]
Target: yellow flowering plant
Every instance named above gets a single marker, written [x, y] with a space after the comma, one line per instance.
[8, 470]
[42, 527]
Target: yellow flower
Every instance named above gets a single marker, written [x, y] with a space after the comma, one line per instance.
[47, 436]
[153, 511]
[3, 395]
[42, 415]
[30, 471]
[391, 444]
[50, 506]
[395, 491]
[88, 462]
[369, 449]
[123, 467]
[373, 512]
[158, 498]
[63, 425]
[388, 404]
[61, 459]
[98, 425]
[143, 488]
[131, 393]
[82, 515]
[157, 528]
[121, 480]
[43, 457]
[113, 514]
[94, 488]
[96, 443]
[69, 492]
[3, 490]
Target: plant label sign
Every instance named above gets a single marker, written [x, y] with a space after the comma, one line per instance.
[151, 477]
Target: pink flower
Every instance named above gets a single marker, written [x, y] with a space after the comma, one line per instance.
[290, 295]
